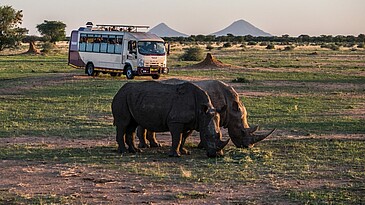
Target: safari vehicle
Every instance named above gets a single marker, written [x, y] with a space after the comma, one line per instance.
[117, 50]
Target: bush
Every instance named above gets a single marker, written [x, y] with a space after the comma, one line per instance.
[193, 54]
[289, 48]
[263, 44]
[227, 45]
[240, 80]
[331, 46]
[209, 47]
[270, 46]
[252, 43]
[47, 47]
[360, 45]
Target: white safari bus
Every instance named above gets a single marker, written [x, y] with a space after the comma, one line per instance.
[117, 50]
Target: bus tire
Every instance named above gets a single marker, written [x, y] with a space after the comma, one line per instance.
[89, 70]
[129, 73]
[155, 76]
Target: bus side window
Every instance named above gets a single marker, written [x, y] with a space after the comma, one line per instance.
[118, 45]
[89, 43]
[97, 39]
[82, 46]
[104, 44]
[132, 47]
[111, 44]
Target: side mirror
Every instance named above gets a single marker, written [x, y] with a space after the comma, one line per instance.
[168, 48]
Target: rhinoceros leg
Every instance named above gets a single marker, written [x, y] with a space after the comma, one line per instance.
[202, 144]
[185, 135]
[151, 137]
[130, 140]
[121, 139]
[176, 134]
[141, 134]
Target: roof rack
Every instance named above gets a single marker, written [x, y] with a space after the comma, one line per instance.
[113, 27]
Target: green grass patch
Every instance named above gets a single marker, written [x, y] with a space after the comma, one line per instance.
[79, 108]
[74, 109]
[310, 114]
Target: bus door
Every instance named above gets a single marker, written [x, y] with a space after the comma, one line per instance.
[132, 53]
[73, 52]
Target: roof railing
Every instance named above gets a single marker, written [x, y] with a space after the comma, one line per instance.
[117, 27]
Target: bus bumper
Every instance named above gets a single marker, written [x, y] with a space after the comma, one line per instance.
[152, 70]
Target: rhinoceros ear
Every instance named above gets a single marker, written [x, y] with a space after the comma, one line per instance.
[235, 106]
[222, 109]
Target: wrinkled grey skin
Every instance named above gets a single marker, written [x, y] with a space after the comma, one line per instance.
[162, 107]
[234, 117]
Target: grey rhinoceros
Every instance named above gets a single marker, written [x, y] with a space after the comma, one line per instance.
[234, 117]
[162, 107]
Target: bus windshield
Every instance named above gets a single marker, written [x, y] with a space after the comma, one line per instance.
[151, 48]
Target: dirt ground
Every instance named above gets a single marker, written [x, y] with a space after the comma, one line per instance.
[94, 185]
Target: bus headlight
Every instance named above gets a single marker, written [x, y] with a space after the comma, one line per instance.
[140, 63]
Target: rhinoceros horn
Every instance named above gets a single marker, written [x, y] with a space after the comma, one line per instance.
[253, 129]
[258, 138]
[221, 144]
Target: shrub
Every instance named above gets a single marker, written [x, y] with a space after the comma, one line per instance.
[331, 46]
[335, 47]
[289, 48]
[193, 54]
[264, 44]
[360, 45]
[47, 47]
[240, 80]
[252, 43]
[227, 45]
[270, 46]
[209, 47]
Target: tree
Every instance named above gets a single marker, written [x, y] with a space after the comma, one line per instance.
[31, 40]
[10, 32]
[361, 38]
[52, 31]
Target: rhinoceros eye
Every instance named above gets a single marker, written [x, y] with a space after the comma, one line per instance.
[205, 108]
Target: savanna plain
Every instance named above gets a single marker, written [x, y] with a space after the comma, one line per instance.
[57, 140]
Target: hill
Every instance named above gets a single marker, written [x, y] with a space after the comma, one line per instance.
[241, 28]
[163, 30]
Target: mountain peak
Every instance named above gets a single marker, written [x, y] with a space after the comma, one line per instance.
[241, 28]
[163, 30]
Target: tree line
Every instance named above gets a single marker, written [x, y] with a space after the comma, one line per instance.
[278, 39]
[11, 34]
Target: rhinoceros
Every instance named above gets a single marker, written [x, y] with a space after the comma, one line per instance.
[234, 117]
[162, 107]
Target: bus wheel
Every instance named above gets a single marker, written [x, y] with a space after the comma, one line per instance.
[129, 73]
[156, 76]
[113, 74]
[89, 70]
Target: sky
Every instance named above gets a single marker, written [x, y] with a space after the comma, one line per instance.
[277, 17]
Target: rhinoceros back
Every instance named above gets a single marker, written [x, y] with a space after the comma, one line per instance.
[154, 105]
